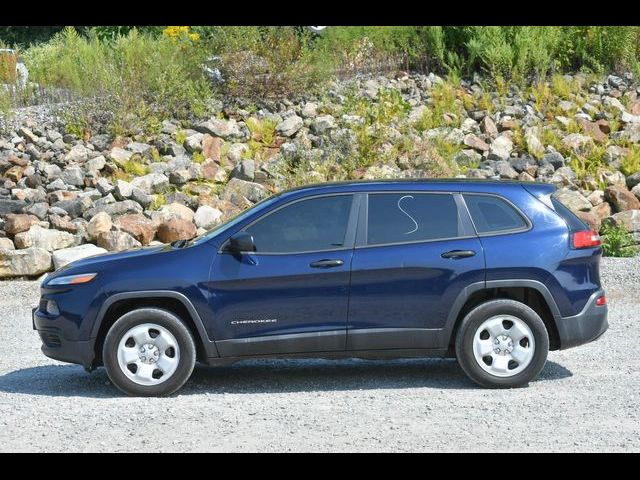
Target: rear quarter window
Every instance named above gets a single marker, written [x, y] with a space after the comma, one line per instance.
[573, 222]
[491, 214]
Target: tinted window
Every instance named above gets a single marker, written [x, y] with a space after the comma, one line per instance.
[308, 225]
[573, 222]
[411, 217]
[492, 214]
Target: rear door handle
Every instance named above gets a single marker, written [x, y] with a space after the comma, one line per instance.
[326, 263]
[458, 254]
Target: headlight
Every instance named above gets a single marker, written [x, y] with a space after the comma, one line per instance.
[72, 279]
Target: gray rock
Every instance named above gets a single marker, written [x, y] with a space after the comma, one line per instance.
[290, 126]
[95, 164]
[193, 143]
[6, 244]
[238, 189]
[629, 219]
[633, 180]
[113, 209]
[78, 153]
[322, 124]
[104, 186]
[120, 155]
[235, 152]
[123, 190]
[309, 110]
[73, 176]
[28, 262]
[179, 177]
[500, 148]
[245, 170]
[139, 148]
[505, 170]
[11, 206]
[67, 255]
[44, 238]
[151, 183]
[227, 129]
[117, 241]
[207, 217]
[40, 210]
[573, 200]
[554, 158]
[141, 197]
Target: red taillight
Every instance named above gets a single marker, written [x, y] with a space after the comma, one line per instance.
[586, 239]
[600, 301]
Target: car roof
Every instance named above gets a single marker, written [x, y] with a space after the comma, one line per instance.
[426, 184]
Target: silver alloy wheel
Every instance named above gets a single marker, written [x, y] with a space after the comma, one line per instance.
[148, 354]
[503, 345]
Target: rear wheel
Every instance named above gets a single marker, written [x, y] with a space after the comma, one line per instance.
[502, 344]
[149, 352]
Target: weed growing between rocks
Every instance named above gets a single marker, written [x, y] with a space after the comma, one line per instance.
[617, 241]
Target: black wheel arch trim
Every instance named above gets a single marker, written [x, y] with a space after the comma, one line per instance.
[208, 344]
[469, 290]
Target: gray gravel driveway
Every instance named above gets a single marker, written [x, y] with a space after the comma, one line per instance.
[586, 399]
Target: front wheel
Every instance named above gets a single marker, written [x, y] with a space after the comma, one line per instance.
[502, 344]
[149, 352]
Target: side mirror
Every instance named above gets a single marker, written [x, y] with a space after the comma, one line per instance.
[241, 242]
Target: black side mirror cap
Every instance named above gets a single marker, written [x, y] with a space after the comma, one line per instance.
[240, 242]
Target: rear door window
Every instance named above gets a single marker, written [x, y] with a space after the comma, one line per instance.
[491, 214]
[411, 217]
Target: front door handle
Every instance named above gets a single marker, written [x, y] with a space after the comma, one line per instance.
[458, 254]
[326, 263]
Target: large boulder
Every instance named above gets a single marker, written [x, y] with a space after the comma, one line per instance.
[138, 226]
[44, 238]
[573, 200]
[500, 148]
[621, 198]
[16, 223]
[11, 206]
[151, 183]
[207, 217]
[290, 126]
[117, 241]
[176, 229]
[67, 255]
[6, 244]
[237, 189]
[29, 262]
[176, 210]
[100, 223]
[629, 219]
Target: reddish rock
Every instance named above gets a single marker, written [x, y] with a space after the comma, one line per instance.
[176, 229]
[476, 143]
[63, 223]
[209, 170]
[635, 108]
[593, 130]
[211, 147]
[20, 222]
[604, 126]
[508, 124]
[20, 162]
[591, 219]
[602, 210]
[138, 226]
[621, 198]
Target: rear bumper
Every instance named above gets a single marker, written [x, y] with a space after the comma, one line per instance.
[55, 346]
[585, 327]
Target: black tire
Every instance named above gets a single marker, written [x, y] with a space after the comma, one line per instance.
[469, 326]
[164, 319]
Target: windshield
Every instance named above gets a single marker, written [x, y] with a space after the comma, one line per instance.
[233, 221]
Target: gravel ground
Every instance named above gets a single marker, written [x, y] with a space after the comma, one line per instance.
[586, 399]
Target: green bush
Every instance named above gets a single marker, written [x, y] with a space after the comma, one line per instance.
[617, 241]
[144, 77]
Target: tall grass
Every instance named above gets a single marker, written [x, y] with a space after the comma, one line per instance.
[137, 73]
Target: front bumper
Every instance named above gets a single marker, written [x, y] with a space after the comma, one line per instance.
[584, 327]
[55, 346]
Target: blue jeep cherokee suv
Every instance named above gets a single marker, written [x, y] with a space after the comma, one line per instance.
[493, 273]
